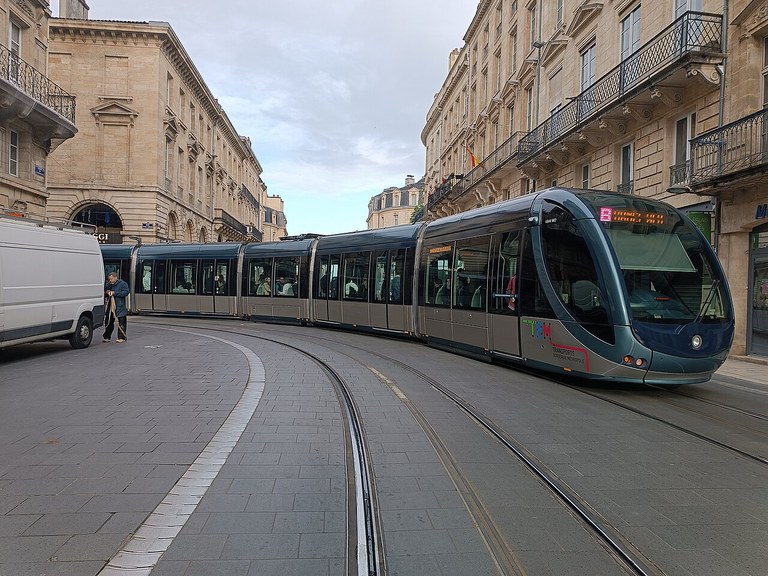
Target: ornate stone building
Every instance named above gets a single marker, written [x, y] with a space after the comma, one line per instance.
[274, 219]
[665, 99]
[36, 115]
[157, 157]
[395, 206]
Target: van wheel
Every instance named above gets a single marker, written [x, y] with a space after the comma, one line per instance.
[83, 334]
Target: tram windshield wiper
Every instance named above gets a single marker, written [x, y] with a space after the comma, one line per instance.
[707, 300]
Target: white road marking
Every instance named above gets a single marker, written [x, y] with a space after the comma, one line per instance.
[142, 552]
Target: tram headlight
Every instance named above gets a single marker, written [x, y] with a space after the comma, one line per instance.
[696, 341]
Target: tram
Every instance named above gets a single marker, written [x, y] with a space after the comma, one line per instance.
[591, 284]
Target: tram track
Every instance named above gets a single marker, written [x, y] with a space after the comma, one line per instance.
[364, 535]
[630, 559]
[729, 447]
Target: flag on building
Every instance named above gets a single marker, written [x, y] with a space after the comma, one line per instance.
[472, 157]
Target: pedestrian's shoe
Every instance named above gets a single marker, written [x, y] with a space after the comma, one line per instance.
[120, 340]
[105, 339]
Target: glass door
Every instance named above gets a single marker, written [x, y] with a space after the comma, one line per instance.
[758, 333]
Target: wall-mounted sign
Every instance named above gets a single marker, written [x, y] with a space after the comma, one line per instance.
[39, 169]
[761, 212]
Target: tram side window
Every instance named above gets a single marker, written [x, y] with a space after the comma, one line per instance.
[221, 283]
[260, 277]
[321, 285]
[506, 281]
[397, 276]
[469, 285]
[356, 276]
[144, 273]
[159, 284]
[286, 276]
[333, 277]
[206, 268]
[573, 272]
[183, 275]
[436, 290]
[533, 301]
[327, 277]
[380, 288]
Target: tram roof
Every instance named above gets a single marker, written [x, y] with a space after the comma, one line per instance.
[179, 250]
[282, 248]
[380, 238]
[117, 250]
[484, 217]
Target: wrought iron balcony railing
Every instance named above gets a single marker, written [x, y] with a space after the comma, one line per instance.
[250, 197]
[680, 173]
[626, 187]
[739, 146]
[27, 79]
[693, 32]
[231, 222]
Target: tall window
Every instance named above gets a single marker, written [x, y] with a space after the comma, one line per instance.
[532, 20]
[685, 129]
[630, 34]
[529, 108]
[585, 177]
[14, 46]
[168, 89]
[627, 167]
[588, 66]
[560, 10]
[13, 153]
[513, 42]
[682, 6]
[765, 73]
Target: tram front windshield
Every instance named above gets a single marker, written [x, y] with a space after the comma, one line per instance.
[667, 267]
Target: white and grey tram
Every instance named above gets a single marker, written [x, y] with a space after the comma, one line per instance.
[592, 284]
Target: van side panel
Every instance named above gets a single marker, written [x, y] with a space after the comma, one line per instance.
[49, 278]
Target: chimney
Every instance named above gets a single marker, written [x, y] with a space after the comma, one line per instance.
[409, 181]
[77, 9]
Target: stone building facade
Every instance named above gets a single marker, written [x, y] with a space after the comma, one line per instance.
[36, 114]
[157, 158]
[395, 206]
[275, 223]
[665, 99]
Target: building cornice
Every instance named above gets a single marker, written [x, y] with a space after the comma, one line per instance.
[158, 35]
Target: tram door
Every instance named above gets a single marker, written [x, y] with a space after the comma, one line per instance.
[214, 295]
[758, 336]
[504, 304]
[326, 290]
[150, 285]
[469, 289]
[399, 290]
[379, 298]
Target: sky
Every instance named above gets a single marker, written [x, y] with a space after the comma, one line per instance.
[333, 95]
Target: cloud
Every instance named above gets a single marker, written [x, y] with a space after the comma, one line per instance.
[332, 95]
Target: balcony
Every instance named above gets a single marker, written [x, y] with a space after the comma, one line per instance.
[229, 222]
[490, 165]
[688, 48]
[27, 94]
[249, 197]
[736, 151]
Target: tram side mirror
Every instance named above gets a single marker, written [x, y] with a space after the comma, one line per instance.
[533, 220]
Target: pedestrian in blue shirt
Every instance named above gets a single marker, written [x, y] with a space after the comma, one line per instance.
[115, 293]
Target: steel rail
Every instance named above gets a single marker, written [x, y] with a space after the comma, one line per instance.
[623, 552]
[367, 541]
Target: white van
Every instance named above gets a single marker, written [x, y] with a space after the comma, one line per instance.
[51, 282]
